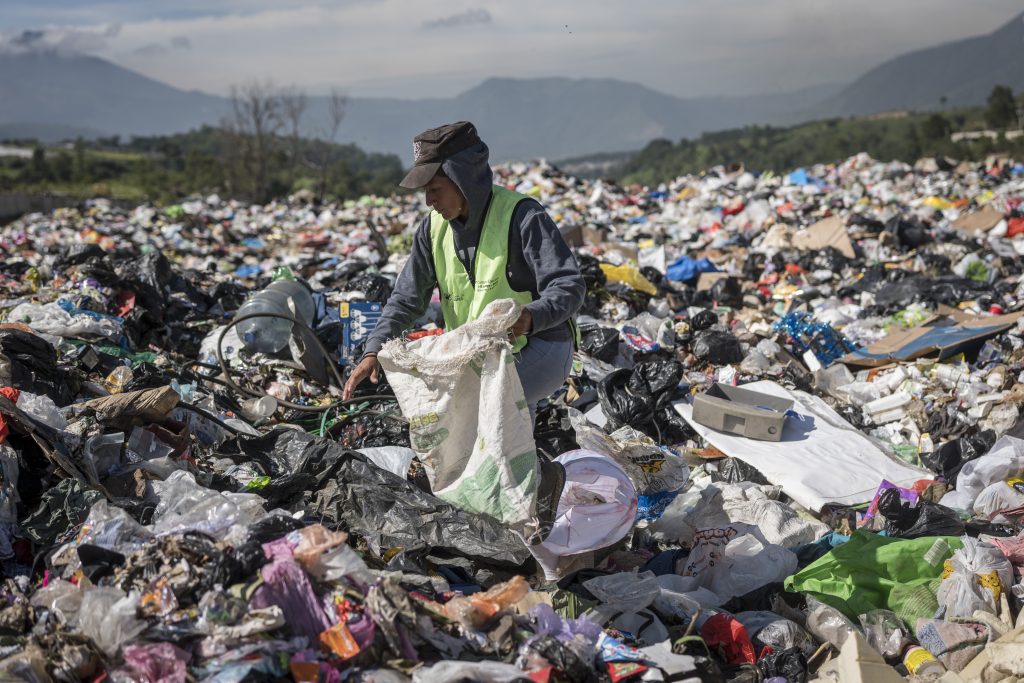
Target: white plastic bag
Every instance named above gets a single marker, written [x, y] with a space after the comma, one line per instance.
[1004, 460]
[779, 523]
[995, 498]
[52, 319]
[43, 409]
[468, 418]
[597, 508]
[732, 561]
[395, 459]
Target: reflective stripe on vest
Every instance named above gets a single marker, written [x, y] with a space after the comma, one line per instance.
[463, 299]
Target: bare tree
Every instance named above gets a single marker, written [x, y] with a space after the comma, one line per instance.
[253, 127]
[293, 107]
[337, 103]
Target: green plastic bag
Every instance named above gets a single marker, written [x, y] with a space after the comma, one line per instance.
[875, 572]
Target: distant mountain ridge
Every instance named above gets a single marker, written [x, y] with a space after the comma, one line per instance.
[52, 96]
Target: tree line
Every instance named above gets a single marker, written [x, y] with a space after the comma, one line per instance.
[261, 149]
[904, 136]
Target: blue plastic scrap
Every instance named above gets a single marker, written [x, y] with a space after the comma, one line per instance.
[827, 345]
[686, 269]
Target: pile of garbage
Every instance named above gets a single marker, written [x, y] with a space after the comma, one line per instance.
[792, 442]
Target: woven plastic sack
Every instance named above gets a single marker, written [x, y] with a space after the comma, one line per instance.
[468, 418]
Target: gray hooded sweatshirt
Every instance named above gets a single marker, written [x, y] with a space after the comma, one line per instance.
[539, 259]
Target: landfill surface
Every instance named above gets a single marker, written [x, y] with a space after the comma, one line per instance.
[177, 505]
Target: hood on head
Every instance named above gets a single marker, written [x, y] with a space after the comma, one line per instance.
[471, 173]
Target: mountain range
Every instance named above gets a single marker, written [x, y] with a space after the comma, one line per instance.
[51, 97]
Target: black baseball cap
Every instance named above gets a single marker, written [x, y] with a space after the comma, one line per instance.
[431, 147]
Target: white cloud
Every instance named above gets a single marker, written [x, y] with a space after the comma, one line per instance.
[380, 47]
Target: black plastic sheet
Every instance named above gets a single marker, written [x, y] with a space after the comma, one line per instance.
[347, 490]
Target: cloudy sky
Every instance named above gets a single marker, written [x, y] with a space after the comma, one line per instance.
[412, 48]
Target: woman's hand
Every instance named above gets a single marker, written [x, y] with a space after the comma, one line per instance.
[368, 367]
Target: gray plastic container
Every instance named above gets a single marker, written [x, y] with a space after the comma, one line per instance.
[741, 411]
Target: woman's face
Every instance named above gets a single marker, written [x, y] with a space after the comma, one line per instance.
[444, 197]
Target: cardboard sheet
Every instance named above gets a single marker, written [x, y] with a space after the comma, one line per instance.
[820, 460]
[942, 337]
[981, 220]
[828, 232]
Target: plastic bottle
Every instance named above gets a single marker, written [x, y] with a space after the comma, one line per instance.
[887, 403]
[118, 379]
[268, 334]
[922, 663]
[996, 377]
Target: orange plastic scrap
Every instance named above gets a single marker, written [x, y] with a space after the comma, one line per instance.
[339, 640]
[475, 610]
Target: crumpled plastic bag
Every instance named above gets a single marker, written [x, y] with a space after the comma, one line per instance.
[768, 628]
[108, 617]
[52, 319]
[885, 632]
[828, 624]
[185, 505]
[730, 563]
[1005, 460]
[981, 574]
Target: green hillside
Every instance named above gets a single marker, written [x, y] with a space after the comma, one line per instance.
[903, 136]
[202, 161]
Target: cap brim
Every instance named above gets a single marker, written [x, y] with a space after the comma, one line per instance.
[420, 175]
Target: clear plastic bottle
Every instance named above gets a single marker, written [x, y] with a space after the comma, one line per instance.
[118, 379]
[268, 334]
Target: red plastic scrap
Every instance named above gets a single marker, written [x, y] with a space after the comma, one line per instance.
[724, 633]
[11, 394]
[1014, 227]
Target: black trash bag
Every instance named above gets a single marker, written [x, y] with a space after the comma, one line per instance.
[148, 276]
[350, 491]
[703, 320]
[654, 276]
[790, 664]
[553, 432]
[680, 298]
[753, 267]
[230, 295]
[590, 269]
[672, 428]
[62, 507]
[975, 527]
[910, 234]
[655, 378]
[728, 292]
[570, 667]
[717, 345]
[831, 259]
[34, 365]
[619, 406]
[374, 286]
[77, 254]
[734, 471]
[633, 397]
[948, 459]
[903, 520]
[599, 342]
[949, 290]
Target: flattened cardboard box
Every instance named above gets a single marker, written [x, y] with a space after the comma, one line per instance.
[943, 336]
